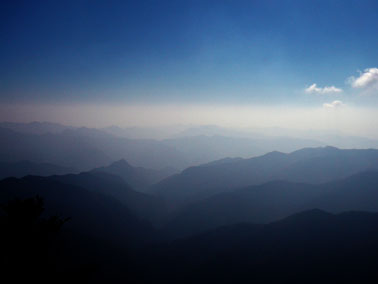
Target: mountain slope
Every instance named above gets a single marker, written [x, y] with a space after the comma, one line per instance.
[92, 214]
[35, 127]
[274, 200]
[204, 148]
[59, 149]
[142, 205]
[85, 149]
[310, 165]
[137, 177]
[308, 247]
[24, 168]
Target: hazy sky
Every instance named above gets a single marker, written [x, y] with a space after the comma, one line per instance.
[270, 55]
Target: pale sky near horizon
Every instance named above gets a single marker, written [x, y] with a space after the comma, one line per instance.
[349, 120]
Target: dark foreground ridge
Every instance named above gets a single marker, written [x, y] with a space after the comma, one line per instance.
[93, 227]
[308, 247]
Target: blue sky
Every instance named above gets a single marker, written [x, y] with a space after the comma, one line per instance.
[211, 52]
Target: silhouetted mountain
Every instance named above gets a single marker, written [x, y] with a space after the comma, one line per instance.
[332, 137]
[92, 214]
[137, 177]
[59, 149]
[85, 149]
[28, 242]
[202, 149]
[139, 152]
[274, 200]
[308, 247]
[310, 165]
[24, 168]
[35, 127]
[222, 161]
[260, 140]
[157, 132]
[141, 205]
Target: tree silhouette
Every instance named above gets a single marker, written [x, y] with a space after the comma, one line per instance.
[28, 240]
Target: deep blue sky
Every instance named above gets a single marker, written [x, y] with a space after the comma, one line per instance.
[182, 51]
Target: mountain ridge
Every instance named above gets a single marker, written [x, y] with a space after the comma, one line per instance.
[308, 165]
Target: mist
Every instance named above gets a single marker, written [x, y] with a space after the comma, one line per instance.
[350, 120]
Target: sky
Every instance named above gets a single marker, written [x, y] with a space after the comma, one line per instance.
[181, 56]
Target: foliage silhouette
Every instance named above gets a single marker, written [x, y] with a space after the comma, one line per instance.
[28, 240]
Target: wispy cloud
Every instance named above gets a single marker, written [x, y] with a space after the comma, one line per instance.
[366, 79]
[325, 90]
[333, 105]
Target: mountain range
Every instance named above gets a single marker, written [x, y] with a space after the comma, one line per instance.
[138, 178]
[24, 168]
[176, 147]
[308, 216]
[273, 201]
[313, 246]
[85, 149]
[309, 165]
[91, 213]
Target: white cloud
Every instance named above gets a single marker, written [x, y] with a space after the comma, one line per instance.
[326, 90]
[367, 78]
[333, 105]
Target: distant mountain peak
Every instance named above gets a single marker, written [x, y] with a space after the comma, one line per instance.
[331, 148]
[313, 212]
[138, 177]
[308, 216]
[222, 161]
[317, 151]
[325, 149]
[274, 154]
[120, 163]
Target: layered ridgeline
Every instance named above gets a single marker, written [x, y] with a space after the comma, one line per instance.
[88, 148]
[206, 143]
[111, 223]
[138, 178]
[93, 214]
[85, 149]
[35, 127]
[143, 206]
[309, 165]
[201, 149]
[24, 168]
[274, 200]
[308, 247]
